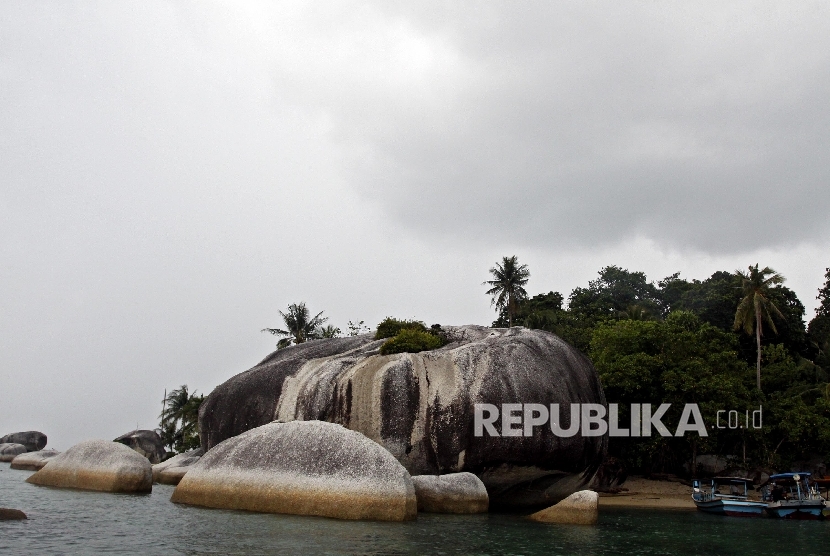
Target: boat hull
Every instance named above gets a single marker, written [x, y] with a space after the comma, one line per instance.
[734, 508]
[805, 509]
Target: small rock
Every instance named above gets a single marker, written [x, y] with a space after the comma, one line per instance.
[8, 451]
[147, 443]
[454, 493]
[97, 465]
[9, 514]
[33, 440]
[171, 471]
[580, 508]
[33, 461]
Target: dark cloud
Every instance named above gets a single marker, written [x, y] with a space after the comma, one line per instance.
[700, 127]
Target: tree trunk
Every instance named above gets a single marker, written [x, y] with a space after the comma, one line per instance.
[758, 346]
[694, 459]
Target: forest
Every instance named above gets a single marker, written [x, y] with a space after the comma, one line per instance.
[734, 341]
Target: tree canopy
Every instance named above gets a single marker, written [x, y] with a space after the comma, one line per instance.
[300, 326]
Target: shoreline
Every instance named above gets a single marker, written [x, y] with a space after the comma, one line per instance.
[649, 494]
[644, 502]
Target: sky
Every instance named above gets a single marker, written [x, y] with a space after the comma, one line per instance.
[173, 174]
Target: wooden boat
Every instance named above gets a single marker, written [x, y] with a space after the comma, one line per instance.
[726, 496]
[790, 496]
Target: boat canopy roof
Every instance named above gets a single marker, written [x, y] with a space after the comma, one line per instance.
[732, 481]
[785, 477]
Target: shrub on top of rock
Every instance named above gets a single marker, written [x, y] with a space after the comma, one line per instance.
[410, 340]
[390, 327]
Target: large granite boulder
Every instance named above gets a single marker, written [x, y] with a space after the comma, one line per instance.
[580, 508]
[171, 471]
[97, 465]
[456, 493]
[9, 451]
[420, 406]
[147, 443]
[304, 468]
[33, 440]
[32, 461]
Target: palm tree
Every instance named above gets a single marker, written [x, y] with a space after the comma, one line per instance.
[330, 331]
[180, 419]
[299, 327]
[756, 305]
[507, 288]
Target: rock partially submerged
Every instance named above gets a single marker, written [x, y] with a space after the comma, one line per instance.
[456, 493]
[580, 508]
[304, 468]
[420, 406]
[147, 443]
[171, 471]
[97, 465]
[10, 514]
[9, 451]
[33, 461]
[33, 440]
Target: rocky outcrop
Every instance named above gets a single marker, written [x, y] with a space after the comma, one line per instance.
[33, 440]
[147, 443]
[171, 471]
[304, 468]
[10, 514]
[32, 461]
[580, 508]
[420, 406]
[456, 493]
[10, 451]
[97, 465]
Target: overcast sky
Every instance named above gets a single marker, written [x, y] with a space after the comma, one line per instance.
[174, 173]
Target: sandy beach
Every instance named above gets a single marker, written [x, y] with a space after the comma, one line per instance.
[645, 493]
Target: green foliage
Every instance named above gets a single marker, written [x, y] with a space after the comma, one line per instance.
[714, 300]
[819, 328]
[389, 327]
[330, 331]
[757, 307]
[412, 340]
[300, 326]
[680, 360]
[613, 292]
[674, 342]
[180, 420]
[507, 286]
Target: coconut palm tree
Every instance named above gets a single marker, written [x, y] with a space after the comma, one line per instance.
[756, 305]
[299, 326]
[180, 419]
[507, 291]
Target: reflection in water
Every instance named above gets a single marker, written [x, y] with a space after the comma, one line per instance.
[77, 522]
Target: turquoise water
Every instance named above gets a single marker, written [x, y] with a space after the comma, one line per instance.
[78, 522]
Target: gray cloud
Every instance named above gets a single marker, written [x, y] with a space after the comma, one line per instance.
[701, 127]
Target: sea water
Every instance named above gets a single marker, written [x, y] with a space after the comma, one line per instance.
[63, 521]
